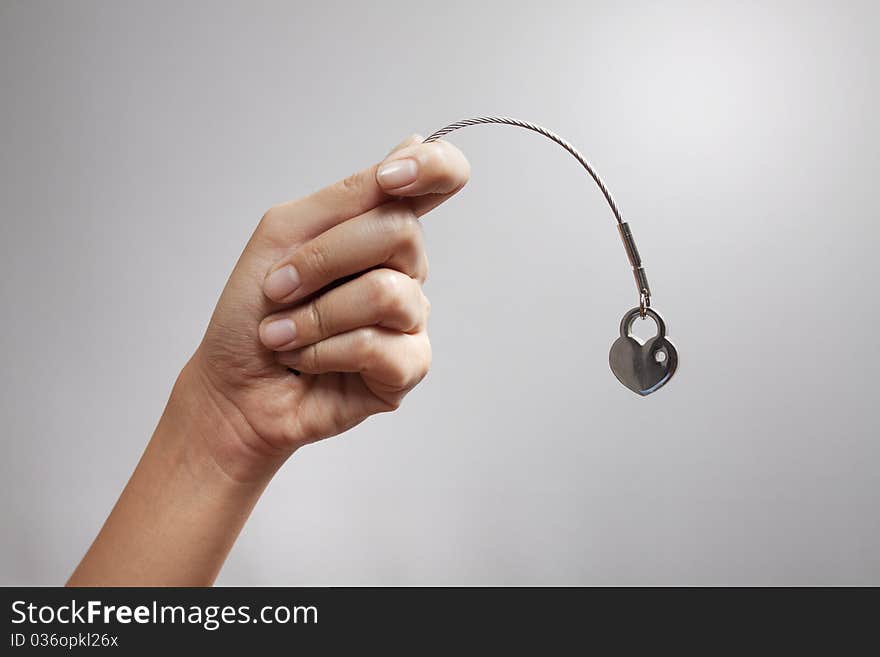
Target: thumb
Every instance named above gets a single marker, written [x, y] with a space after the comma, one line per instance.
[419, 169]
[432, 172]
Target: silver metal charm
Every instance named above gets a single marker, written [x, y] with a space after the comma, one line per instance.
[643, 367]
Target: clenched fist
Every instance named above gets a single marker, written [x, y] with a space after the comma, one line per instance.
[323, 322]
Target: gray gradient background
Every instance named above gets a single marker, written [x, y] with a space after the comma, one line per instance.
[140, 143]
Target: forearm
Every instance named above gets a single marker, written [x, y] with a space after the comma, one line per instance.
[180, 513]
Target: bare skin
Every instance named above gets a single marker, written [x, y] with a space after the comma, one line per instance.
[329, 285]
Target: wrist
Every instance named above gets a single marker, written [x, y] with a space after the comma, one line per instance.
[216, 439]
[185, 503]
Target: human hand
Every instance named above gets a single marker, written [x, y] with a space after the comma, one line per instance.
[330, 285]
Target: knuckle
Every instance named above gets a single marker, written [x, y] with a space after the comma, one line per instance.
[401, 301]
[406, 373]
[399, 376]
[316, 316]
[352, 183]
[409, 229]
[387, 291]
[367, 345]
[394, 402]
[404, 236]
[310, 356]
[271, 216]
[317, 259]
[401, 221]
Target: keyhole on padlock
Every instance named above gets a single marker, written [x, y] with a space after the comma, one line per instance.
[643, 328]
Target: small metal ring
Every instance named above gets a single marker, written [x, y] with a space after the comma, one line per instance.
[630, 317]
[644, 304]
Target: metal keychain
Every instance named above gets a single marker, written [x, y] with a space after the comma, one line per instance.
[641, 367]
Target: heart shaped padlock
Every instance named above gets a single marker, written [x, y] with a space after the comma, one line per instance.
[643, 368]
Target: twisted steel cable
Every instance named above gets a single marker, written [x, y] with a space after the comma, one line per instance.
[626, 236]
[442, 132]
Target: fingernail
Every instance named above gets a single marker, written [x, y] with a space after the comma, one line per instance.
[281, 283]
[398, 173]
[279, 333]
